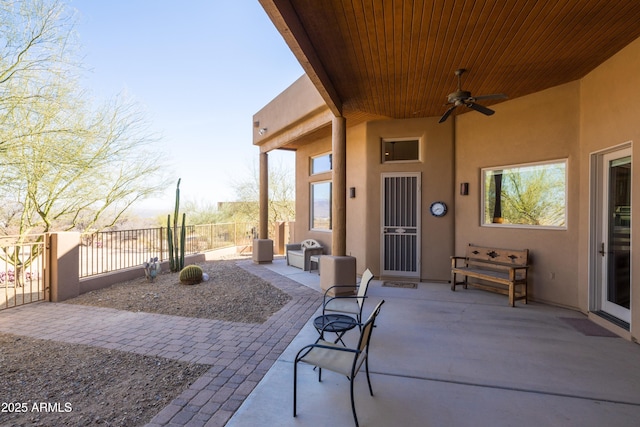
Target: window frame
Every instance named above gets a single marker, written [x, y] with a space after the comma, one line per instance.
[483, 196]
[384, 141]
[312, 219]
[328, 154]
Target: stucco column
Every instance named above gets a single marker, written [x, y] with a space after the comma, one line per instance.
[263, 232]
[263, 246]
[64, 253]
[339, 205]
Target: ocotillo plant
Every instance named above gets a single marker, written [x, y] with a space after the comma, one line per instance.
[175, 242]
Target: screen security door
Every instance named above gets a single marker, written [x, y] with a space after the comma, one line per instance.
[401, 225]
[614, 250]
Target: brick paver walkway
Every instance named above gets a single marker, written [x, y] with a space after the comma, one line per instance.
[240, 354]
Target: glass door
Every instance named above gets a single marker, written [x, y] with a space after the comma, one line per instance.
[615, 245]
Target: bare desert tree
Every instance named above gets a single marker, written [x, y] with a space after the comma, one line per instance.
[247, 190]
[66, 163]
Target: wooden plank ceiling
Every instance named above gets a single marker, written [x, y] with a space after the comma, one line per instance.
[396, 58]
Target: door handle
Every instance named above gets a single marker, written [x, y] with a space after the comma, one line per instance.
[601, 251]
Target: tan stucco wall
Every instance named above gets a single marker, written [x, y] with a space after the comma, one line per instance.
[543, 126]
[436, 167]
[65, 265]
[297, 110]
[610, 115]
[302, 227]
[356, 177]
[358, 208]
[572, 121]
[364, 169]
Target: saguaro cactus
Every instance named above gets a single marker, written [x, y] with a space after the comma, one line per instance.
[183, 236]
[176, 242]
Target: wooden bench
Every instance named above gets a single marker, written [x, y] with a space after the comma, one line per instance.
[498, 270]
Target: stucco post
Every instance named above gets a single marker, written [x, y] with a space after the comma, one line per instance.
[339, 205]
[264, 196]
[64, 265]
[263, 246]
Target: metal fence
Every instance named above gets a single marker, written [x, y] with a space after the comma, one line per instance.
[22, 266]
[106, 251]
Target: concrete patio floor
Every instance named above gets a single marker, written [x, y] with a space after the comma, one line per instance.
[464, 358]
[437, 358]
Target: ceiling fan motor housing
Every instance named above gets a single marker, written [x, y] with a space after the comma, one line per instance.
[459, 95]
[463, 97]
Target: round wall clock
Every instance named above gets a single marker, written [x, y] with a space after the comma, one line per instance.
[438, 209]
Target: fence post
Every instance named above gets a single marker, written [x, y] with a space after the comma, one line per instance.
[64, 266]
[161, 244]
[235, 234]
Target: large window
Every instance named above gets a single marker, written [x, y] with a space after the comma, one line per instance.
[531, 195]
[321, 205]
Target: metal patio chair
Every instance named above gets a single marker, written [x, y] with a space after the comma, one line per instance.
[348, 304]
[343, 360]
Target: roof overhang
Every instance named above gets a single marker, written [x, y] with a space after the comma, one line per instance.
[397, 59]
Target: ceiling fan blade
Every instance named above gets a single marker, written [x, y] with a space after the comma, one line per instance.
[492, 96]
[484, 110]
[447, 113]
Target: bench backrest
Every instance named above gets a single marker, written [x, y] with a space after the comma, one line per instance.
[310, 243]
[505, 257]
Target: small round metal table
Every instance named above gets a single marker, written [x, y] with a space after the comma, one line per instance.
[339, 324]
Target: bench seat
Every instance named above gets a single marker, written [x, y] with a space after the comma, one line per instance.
[502, 271]
[492, 275]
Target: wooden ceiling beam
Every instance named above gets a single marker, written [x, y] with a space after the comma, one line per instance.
[286, 20]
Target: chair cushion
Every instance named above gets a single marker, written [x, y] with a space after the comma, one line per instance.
[344, 305]
[333, 358]
[295, 253]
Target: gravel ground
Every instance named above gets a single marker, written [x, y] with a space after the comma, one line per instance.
[82, 385]
[230, 294]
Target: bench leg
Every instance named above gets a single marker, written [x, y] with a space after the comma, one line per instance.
[454, 283]
[512, 295]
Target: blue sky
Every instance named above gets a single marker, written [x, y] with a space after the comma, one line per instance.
[200, 69]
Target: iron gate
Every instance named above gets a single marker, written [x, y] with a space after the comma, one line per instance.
[22, 270]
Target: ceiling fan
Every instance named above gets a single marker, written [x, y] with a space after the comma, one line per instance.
[463, 97]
